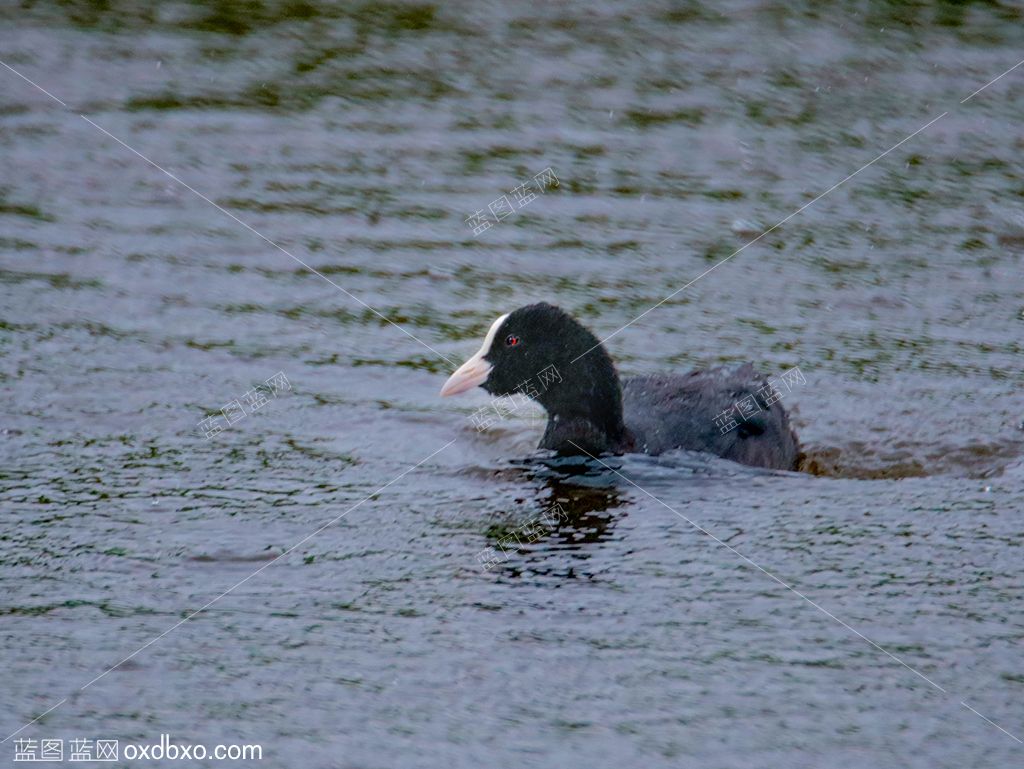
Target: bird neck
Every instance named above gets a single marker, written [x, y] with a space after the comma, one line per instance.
[585, 408]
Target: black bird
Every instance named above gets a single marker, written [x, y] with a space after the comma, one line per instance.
[542, 352]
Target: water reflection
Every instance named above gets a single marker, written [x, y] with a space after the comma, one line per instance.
[575, 510]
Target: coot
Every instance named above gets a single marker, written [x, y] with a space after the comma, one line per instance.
[542, 352]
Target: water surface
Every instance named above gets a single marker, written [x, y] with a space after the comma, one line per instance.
[359, 138]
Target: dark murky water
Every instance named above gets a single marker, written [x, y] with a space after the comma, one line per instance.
[359, 138]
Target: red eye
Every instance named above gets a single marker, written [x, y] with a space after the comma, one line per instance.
[511, 340]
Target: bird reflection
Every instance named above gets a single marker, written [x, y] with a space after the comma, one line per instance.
[573, 510]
